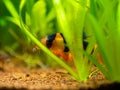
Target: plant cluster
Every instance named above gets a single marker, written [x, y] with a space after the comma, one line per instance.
[98, 19]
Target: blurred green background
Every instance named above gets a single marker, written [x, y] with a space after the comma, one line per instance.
[14, 43]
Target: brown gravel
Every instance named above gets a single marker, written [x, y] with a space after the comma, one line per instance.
[19, 77]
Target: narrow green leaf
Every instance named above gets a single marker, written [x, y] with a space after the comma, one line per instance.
[22, 3]
[11, 8]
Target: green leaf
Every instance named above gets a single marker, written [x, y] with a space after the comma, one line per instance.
[22, 3]
[14, 20]
[11, 8]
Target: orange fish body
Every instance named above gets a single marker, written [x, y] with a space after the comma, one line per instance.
[56, 43]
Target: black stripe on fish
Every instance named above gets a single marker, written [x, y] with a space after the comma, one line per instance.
[50, 39]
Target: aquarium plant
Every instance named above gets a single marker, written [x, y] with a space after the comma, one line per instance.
[105, 20]
[99, 19]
